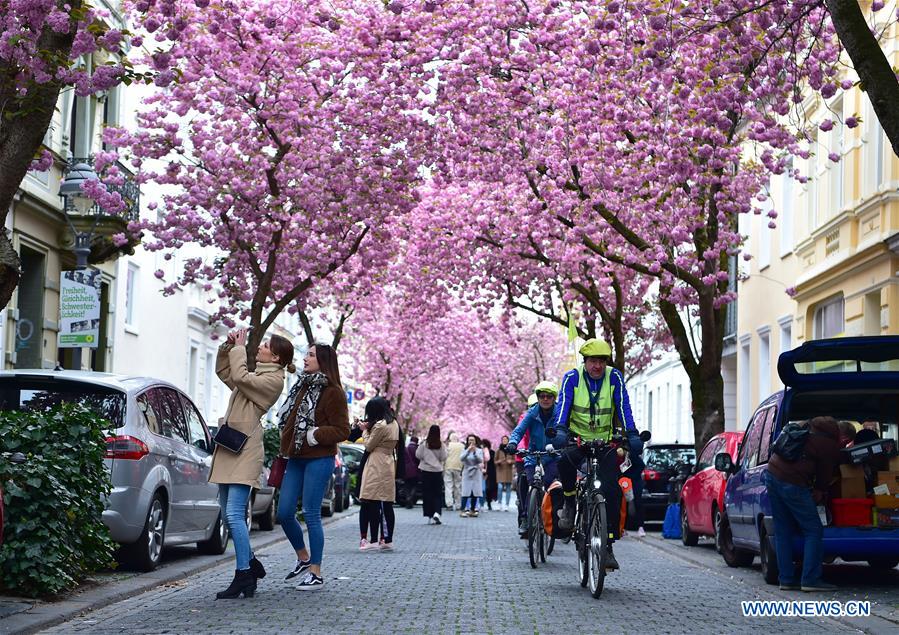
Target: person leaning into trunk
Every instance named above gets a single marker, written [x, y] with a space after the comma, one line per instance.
[237, 473]
[313, 420]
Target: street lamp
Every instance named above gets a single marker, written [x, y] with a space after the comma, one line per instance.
[71, 191]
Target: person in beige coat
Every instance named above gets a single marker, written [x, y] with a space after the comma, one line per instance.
[252, 394]
[378, 491]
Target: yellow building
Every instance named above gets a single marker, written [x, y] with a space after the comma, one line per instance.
[835, 248]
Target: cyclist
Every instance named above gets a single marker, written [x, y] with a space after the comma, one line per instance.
[534, 423]
[592, 404]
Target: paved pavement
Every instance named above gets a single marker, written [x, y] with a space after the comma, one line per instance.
[466, 576]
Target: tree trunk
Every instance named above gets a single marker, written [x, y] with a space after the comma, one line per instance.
[874, 69]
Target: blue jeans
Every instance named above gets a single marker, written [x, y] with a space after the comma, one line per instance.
[504, 489]
[234, 498]
[308, 477]
[795, 513]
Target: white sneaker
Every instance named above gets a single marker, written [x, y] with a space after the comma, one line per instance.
[311, 582]
[436, 518]
[365, 545]
[641, 533]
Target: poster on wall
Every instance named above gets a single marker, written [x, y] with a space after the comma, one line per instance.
[79, 309]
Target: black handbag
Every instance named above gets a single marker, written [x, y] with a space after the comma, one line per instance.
[231, 439]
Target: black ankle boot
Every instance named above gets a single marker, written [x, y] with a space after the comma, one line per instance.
[243, 583]
[257, 569]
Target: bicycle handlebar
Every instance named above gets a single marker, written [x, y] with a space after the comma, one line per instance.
[524, 453]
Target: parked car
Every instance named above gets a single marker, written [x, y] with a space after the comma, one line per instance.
[337, 496]
[155, 455]
[702, 496]
[352, 456]
[262, 507]
[663, 462]
[852, 378]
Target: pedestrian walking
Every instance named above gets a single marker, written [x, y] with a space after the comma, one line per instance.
[431, 456]
[313, 420]
[505, 463]
[795, 489]
[378, 491]
[489, 474]
[472, 479]
[412, 475]
[452, 473]
[238, 472]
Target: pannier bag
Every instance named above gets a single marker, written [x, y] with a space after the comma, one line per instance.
[553, 502]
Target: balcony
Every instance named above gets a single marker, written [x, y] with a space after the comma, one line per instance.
[103, 225]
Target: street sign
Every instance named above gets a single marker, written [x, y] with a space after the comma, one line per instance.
[349, 396]
[79, 309]
[359, 394]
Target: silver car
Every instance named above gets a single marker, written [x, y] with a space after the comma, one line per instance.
[157, 453]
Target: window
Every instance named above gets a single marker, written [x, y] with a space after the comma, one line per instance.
[649, 411]
[764, 365]
[749, 450]
[786, 334]
[872, 313]
[171, 415]
[837, 187]
[765, 231]
[29, 334]
[812, 191]
[679, 413]
[195, 427]
[828, 319]
[146, 403]
[874, 150]
[38, 394]
[193, 369]
[131, 294]
[744, 369]
[207, 389]
[764, 446]
[785, 213]
[707, 458]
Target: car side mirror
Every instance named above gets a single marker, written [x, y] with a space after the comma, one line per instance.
[645, 436]
[724, 463]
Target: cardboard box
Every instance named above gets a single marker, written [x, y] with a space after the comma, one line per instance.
[886, 502]
[850, 483]
[886, 517]
[894, 464]
[890, 479]
[852, 471]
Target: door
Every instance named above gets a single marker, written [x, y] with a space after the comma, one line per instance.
[206, 496]
[752, 469]
[699, 498]
[163, 448]
[739, 511]
[181, 464]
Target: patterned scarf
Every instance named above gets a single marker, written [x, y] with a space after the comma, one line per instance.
[314, 383]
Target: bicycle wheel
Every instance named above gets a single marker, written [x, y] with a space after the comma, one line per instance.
[549, 547]
[597, 545]
[542, 531]
[580, 542]
[533, 531]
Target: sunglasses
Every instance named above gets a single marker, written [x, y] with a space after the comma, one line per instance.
[545, 395]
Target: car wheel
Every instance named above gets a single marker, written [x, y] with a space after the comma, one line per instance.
[267, 519]
[328, 504]
[883, 565]
[716, 527]
[733, 556]
[768, 558]
[689, 538]
[146, 553]
[218, 541]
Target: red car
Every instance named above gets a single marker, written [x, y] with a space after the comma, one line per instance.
[702, 497]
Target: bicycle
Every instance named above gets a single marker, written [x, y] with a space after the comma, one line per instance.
[591, 534]
[536, 531]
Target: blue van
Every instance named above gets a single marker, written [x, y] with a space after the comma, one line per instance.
[852, 378]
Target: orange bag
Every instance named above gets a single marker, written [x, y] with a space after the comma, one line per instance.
[627, 488]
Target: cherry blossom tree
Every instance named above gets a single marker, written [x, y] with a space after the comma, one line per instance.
[642, 131]
[285, 146]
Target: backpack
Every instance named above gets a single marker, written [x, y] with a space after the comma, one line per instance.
[790, 443]
[553, 502]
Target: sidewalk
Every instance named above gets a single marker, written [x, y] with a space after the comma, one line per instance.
[855, 581]
[26, 615]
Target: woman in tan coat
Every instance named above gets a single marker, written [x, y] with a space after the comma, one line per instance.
[378, 491]
[313, 420]
[252, 394]
[504, 465]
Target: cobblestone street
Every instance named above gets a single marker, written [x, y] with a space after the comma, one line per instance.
[466, 576]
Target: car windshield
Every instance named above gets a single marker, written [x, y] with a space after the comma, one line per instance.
[42, 394]
[661, 458]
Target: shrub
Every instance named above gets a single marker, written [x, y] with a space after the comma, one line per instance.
[53, 534]
[271, 441]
